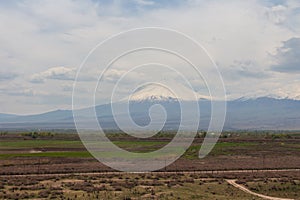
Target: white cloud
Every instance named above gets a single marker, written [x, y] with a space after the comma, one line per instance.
[56, 73]
[277, 14]
[242, 36]
[145, 2]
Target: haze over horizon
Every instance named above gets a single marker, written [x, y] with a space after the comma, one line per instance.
[256, 45]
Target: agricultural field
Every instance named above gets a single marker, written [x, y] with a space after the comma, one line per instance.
[56, 165]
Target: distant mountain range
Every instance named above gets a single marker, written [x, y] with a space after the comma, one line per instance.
[263, 113]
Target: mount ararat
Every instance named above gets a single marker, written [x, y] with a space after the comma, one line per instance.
[262, 113]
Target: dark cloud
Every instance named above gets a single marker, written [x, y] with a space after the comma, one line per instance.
[288, 57]
[5, 76]
[17, 91]
[244, 69]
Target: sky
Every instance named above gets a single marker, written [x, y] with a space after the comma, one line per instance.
[255, 44]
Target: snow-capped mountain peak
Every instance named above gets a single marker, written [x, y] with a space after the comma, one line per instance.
[157, 92]
[271, 96]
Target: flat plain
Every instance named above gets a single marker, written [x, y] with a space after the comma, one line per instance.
[44, 165]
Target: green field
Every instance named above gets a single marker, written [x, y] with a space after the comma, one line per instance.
[73, 147]
[26, 157]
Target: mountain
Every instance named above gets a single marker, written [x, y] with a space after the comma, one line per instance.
[262, 113]
[155, 92]
[274, 95]
[141, 101]
[4, 116]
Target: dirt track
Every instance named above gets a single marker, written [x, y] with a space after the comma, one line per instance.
[233, 183]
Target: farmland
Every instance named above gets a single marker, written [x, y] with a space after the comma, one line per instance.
[56, 165]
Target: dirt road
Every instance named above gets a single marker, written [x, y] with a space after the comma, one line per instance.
[241, 187]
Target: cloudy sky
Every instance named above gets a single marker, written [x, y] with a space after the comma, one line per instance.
[256, 45]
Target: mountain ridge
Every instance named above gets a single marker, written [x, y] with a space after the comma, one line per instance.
[243, 113]
[260, 113]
